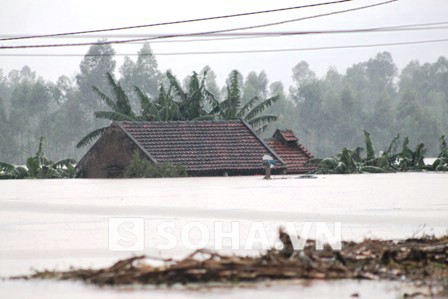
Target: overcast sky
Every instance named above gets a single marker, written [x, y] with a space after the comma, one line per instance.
[24, 17]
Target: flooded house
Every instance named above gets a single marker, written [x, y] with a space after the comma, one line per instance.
[204, 148]
[286, 144]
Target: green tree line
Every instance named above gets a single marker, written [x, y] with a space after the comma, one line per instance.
[332, 111]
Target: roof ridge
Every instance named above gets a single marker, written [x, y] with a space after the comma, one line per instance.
[180, 121]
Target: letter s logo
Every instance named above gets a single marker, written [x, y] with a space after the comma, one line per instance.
[128, 238]
[126, 234]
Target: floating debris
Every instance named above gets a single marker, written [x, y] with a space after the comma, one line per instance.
[423, 261]
[307, 176]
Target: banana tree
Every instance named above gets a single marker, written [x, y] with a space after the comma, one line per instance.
[164, 108]
[348, 161]
[120, 106]
[251, 111]
[192, 102]
[9, 171]
[441, 163]
[39, 166]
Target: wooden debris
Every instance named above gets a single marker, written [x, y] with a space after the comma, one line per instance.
[422, 260]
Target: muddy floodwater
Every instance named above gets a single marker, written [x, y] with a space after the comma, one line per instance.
[56, 224]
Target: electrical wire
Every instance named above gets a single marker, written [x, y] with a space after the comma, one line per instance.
[236, 51]
[175, 22]
[199, 33]
[298, 33]
[239, 35]
[422, 26]
[253, 35]
[398, 28]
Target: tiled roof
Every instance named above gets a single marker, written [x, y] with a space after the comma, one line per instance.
[292, 153]
[201, 145]
[288, 135]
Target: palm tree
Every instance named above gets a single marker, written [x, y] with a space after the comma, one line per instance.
[232, 107]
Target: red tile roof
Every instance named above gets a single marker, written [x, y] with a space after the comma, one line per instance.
[288, 135]
[294, 154]
[202, 146]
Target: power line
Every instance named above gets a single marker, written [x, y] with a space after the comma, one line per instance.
[398, 28]
[242, 35]
[238, 51]
[175, 22]
[200, 33]
[427, 26]
[298, 33]
[253, 35]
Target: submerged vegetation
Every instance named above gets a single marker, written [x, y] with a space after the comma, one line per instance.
[389, 160]
[39, 166]
[441, 163]
[142, 168]
[419, 260]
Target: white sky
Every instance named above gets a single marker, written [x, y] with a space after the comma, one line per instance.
[26, 17]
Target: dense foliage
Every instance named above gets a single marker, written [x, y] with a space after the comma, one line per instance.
[195, 102]
[441, 163]
[389, 160]
[143, 168]
[327, 112]
[40, 167]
